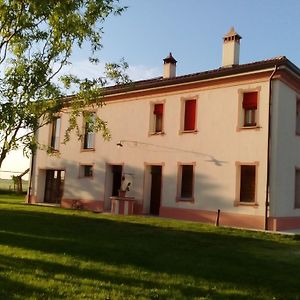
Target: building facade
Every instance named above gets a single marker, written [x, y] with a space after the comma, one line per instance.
[225, 140]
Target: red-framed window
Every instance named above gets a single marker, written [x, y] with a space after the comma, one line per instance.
[158, 111]
[250, 108]
[189, 115]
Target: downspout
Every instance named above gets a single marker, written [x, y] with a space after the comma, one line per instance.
[30, 177]
[268, 150]
[33, 150]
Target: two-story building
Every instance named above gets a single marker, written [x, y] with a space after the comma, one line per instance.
[224, 140]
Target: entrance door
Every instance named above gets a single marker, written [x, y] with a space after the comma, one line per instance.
[155, 195]
[54, 186]
[116, 179]
[112, 183]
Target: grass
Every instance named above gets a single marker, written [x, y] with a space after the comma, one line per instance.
[51, 253]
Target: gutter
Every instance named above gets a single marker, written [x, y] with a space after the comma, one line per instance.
[267, 203]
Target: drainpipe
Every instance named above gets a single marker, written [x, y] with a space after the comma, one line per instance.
[33, 151]
[30, 177]
[268, 150]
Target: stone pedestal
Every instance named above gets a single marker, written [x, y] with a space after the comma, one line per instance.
[122, 205]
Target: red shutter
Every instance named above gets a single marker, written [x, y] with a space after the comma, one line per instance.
[250, 100]
[158, 109]
[190, 115]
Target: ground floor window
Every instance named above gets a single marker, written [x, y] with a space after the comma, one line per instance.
[86, 171]
[185, 182]
[297, 188]
[246, 188]
[247, 183]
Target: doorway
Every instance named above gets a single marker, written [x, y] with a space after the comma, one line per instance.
[116, 179]
[155, 190]
[54, 186]
[112, 183]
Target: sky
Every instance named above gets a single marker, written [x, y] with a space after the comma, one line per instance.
[192, 30]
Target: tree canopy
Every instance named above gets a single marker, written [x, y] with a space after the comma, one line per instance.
[37, 39]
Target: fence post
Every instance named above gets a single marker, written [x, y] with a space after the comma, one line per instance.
[218, 217]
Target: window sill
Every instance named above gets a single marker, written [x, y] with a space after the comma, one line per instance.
[52, 151]
[156, 133]
[88, 150]
[185, 200]
[252, 204]
[188, 131]
[255, 127]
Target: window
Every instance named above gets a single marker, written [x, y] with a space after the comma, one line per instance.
[250, 109]
[186, 182]
[189, 115]
[297, 188]
[247, 183]
[89, 135]
[86, 171]
[55, 134]
[298, 117]
[158, 110]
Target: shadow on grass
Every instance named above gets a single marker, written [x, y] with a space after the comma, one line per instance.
[233, 260]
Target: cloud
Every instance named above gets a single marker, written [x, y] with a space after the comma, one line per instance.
[84, 69]
[141, 72]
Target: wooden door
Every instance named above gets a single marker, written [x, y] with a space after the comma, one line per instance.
[54, 186]
[116, 179]
[155, 197]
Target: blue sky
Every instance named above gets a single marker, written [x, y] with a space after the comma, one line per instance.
[192, 30]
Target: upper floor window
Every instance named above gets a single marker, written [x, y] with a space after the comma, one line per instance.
[55, 133]
[89, 134]
[298, 117]
[250, 109]
[157, 118]
[189, 121]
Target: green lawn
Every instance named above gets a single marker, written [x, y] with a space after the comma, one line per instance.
[51, 253]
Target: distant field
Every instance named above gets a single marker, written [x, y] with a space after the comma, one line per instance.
[8, 185]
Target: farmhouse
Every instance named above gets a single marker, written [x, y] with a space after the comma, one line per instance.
[221, 142]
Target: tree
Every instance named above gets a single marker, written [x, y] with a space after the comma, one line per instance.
[37, 39]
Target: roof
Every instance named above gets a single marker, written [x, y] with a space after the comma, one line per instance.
[209, 74]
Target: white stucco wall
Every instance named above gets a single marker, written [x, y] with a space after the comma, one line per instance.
[215, 149]
[285, 151]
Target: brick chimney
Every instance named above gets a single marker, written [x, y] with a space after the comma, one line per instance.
[231, 49]
[169, 66]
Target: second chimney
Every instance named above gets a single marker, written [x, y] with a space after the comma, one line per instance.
[231, 49]
[169, 66]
